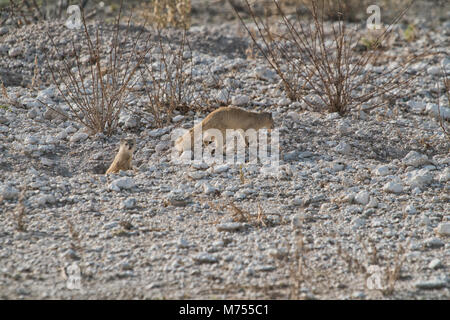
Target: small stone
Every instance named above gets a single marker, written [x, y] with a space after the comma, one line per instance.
[162, 146]
[293, 115]
[362, 197]
[240, 196]
[199, 165]
[3, 30]
[183, 243]
[62, 135]
[434, 243]
[205, 258]
[373, 203]
[240, 100]
[434, 70]
[344, 128]
[130, 122]
[445, 175]
[209, 189]
[431, 284]
[333, 116]
[264, 268]
[230, 226]
[382, 170]
[122, 183]
[362, 115]
[410, 209]
[343, 148]
[393, 187]
[420, 178]
[157, 132]
[177, 118]
[337, 166]
[223, 96]
[265, 74]
[277, 253]
[9, 193]
[358, 295]
[47, 162]
[32, 113]
[290, 156]
[284, 102]
[14, 52]
[298, 202]
[221, 168]
[79, 136]
[435, 264]
[129, 203]
[197, 175]
[297, 221]
[358, 223]
[416, 106]
[31, 140]
[71, 255]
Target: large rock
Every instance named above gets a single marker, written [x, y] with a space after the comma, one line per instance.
[415, 159]
[122, 183]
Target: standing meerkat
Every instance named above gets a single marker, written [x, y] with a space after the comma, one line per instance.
[227, 118]
[122, 161]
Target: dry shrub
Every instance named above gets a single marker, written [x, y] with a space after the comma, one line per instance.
[95, 77]
[318, 63]
[168, 80]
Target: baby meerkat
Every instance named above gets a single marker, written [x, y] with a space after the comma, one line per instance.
[227, 118]
[122, 161]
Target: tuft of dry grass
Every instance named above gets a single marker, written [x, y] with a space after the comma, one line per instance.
[75, 240]
[370, 260]
[35, 79]
[318, 65]
[165, 13]
[19, 214]
[442, 121]
[95, 87]
[240, 215]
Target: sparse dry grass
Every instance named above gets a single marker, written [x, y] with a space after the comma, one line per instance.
[369, 266]
[24, 12]
[95, 88]
[166, 13]
[319, 66]
[19, 212]
[442, 121]
[258, 219]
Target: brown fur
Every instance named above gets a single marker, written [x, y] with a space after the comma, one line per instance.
[228, 118]
[122, 161]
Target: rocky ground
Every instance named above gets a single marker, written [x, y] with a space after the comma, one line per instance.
[356, 198]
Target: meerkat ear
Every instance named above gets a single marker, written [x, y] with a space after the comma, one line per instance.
[122, 141]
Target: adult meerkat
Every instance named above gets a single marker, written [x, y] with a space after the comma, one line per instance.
[123, 158]
[227, 118]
